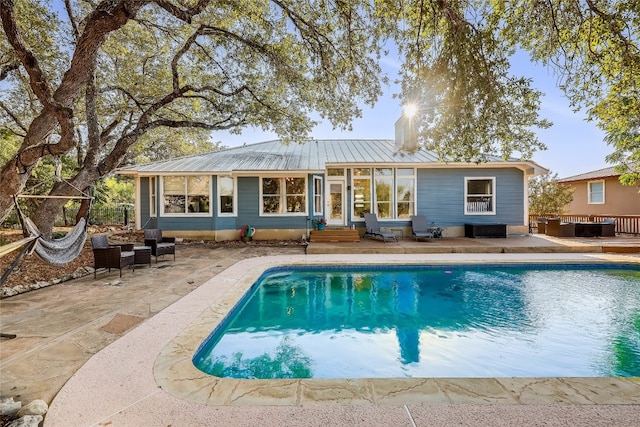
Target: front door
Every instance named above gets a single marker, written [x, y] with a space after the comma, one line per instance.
[335, 202]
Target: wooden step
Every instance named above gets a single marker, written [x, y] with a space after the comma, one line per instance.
[334, 235]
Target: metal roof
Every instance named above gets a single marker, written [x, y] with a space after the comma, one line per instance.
[310, 155]
[600, 173]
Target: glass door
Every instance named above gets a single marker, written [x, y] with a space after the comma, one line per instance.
[335, 202]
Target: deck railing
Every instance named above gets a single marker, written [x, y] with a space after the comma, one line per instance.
[625, 224]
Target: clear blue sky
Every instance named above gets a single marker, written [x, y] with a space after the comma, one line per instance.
[574, 145]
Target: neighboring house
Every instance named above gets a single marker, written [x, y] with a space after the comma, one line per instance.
[600, 193]
[279, 189]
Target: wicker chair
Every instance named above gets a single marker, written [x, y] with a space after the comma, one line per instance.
[556, 228]
[159, 245]
[106, 255]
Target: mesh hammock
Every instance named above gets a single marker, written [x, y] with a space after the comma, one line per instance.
[56, 251]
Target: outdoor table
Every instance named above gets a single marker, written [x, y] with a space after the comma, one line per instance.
[142, 254]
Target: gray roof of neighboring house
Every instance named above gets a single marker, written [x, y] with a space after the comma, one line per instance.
[311, 155]
[600, 173]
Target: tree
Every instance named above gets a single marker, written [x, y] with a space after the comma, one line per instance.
[547, 196]
[109, 78]
[457, 69]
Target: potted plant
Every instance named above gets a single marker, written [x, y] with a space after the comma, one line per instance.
[247, 233]
[320, 222]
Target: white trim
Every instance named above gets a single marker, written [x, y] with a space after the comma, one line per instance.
[318, 209]
[342, 180]
[283, 196]
[138, 217]
[153, 189]
[162, 213]
[493, 195]
[589, 192]
[234, 212]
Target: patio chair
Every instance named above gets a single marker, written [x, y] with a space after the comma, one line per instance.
[160, 245]
[373, 229]
[106, 255]
[419, 228]
[556, 228]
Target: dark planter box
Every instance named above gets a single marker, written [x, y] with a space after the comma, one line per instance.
[485, 230]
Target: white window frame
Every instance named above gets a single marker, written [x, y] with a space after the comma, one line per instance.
[153, 197]
[352, 184]
[235, 196]
[186, 214]
[414, 203]
[318, 196]
[394, 192]
[283, 196]
[493, 195]
[589, 192]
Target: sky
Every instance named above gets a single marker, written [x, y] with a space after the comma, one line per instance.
[574, 146]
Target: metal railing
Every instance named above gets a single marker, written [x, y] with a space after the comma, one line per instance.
[625, 224]
[111, 215]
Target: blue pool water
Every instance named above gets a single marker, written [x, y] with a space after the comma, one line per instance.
[432, 321]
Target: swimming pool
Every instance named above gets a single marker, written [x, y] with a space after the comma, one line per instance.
[432, 321]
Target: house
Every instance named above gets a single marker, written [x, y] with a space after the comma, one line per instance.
[600, 193]
[279, 189]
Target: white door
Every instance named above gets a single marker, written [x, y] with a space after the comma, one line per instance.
[335, 202]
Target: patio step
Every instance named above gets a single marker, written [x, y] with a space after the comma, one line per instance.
[334, 235]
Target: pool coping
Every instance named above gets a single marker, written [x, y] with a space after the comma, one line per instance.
[146, 377]
[175, 372]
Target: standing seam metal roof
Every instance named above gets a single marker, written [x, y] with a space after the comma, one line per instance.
[277, 156]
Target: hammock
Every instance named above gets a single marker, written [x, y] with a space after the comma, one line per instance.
[56, 251]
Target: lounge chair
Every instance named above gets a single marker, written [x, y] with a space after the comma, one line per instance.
[373, 229]
[159, 245]
[106, 255]
[419, 228]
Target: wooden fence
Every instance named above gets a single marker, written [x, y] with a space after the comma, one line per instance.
[625, 224]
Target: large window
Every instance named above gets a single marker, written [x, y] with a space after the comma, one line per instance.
[361, 192]
[186, 194]
[226, 196]
[479, 194]
[596, 192]
[391, 191]
[284, 195]
[384, 192]
[405, 192]
[153, 202]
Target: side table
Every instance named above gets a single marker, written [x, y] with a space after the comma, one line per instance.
[142, 254]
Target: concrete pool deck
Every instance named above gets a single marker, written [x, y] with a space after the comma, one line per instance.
[145, 377]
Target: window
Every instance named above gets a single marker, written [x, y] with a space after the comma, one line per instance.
[596, 192]
[226, 195]
[317, 195]
[152, 197]
[393, 192]
[335, 172]
[405, 199]
[361, 192]
[186, 194]
[384, 192]
[479, 196]
[283, 195]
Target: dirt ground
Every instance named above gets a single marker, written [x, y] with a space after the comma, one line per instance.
[32, 269]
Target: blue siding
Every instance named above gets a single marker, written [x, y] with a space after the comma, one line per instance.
[440, 196]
